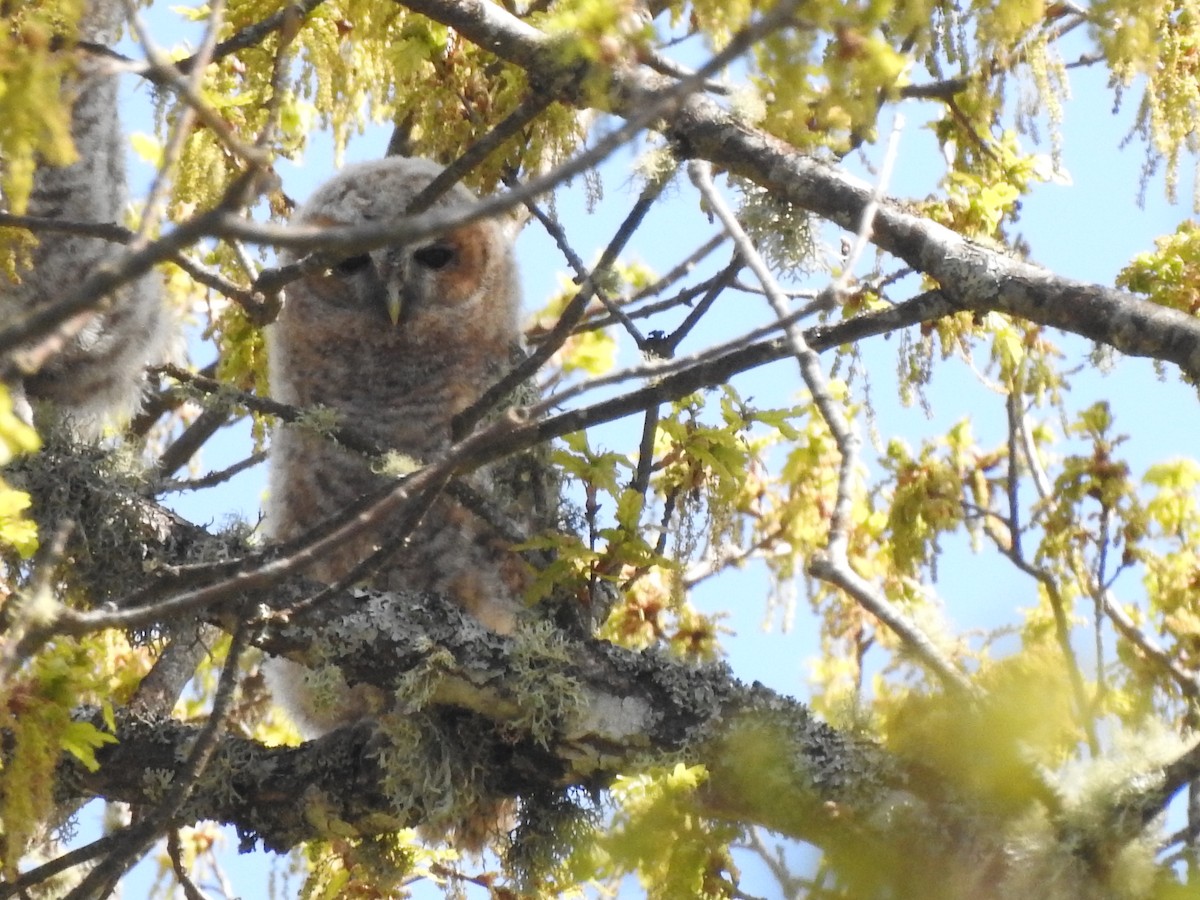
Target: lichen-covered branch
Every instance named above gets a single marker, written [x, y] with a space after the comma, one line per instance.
[571, 713]
[558, 714]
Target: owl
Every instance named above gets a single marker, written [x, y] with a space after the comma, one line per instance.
[396, 342]
[98, 375]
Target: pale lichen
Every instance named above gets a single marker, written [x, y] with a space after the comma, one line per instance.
[546, 696]
[156, 783]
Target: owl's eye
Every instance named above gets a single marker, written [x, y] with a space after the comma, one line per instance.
[351, 264]
[435, 256]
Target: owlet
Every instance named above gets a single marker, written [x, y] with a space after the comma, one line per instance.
[96, 375]
[395, 342]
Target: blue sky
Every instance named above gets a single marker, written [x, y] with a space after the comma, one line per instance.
[1086, 230]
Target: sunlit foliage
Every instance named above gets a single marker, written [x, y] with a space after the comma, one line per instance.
[1039, 733]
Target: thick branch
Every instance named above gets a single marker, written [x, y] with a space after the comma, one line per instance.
[556, 712]
[564, 713]
[600, 710]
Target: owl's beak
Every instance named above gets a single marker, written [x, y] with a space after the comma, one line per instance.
[395, 304]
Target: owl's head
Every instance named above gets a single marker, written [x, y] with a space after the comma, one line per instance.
[459, 285]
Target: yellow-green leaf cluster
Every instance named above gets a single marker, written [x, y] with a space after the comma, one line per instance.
[601, 31]
[993, 747]
[822, 83]
[243, 359]
[34, 116]
[718, 19]
[1099, 478]
[717, 470]
[657, 834]
[380, 866]
[791, 511]
[984, 183]
[1024, 358]
[928, 493]
[16, 530]
[1171, 572]
[1159, 42]
[1002, 26]
[1170, 276]
[618, 550]
[364, 61]
[38, 709]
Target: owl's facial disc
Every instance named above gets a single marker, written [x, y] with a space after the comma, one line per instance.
[403, 275]
[433, 258]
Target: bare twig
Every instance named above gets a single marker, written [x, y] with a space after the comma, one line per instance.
[588, 280]
[156, 200]
[1013, 407]
[252, 303]
[833, 565]
[814, 379]
[164, 400]
[19, 887]
[863, 236]
[212, 479]
[189, 443]
[119, 234]
[289, 27]
[682, 268]
[1188, 680]
[566, 322]
[723, 279]
[645, 461]
[528, 110]
[105, 231]
[229, 395]
[175, 854]
[596, 320]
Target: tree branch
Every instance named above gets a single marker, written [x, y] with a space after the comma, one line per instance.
[581, 713]
[560, 713]
[970, 275]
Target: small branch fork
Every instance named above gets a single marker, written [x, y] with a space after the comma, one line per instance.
[833, 566]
